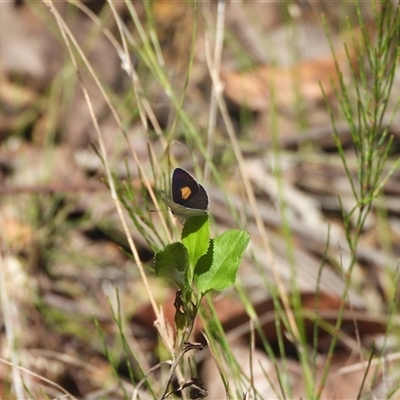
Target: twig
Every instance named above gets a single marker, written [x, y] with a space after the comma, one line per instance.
[52, 188]
[188, 346]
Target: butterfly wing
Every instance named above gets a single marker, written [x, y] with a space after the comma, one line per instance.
[184, 187]
[189, 198]
[181, 211]
[199, 200]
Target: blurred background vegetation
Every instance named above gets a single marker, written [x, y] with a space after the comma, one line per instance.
[287, 112]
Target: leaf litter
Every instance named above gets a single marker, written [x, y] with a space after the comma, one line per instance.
[61, 242]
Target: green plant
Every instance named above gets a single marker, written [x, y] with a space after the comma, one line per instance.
[364, 106]
[198, 265]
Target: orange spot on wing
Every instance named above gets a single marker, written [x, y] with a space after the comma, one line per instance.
[186, 192]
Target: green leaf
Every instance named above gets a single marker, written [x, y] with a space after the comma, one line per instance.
[195, 236]
[217, 269]
[172, 263]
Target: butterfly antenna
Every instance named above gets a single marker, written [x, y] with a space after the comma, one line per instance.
[165, 209]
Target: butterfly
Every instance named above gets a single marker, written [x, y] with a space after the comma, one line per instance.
[189, 198]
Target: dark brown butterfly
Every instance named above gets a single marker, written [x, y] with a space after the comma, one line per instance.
[189, 198]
